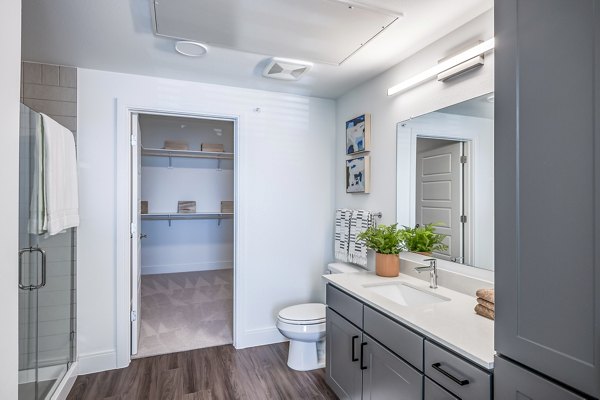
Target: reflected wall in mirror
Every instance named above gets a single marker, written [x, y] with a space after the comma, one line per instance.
[445, 175]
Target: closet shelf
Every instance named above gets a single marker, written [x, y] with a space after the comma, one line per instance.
[186, 216]
[186, 153]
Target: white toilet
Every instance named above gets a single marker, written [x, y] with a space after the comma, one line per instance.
[304, 325]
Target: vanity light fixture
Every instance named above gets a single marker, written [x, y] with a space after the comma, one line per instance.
[190, 49]
[450, 63]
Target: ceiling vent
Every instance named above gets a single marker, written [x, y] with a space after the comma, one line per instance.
[287, 70]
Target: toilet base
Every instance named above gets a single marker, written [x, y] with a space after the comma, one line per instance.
[303, 356]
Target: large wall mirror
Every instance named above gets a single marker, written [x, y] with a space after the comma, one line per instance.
[446, 176]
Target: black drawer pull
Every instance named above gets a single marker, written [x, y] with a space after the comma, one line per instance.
[362, 355]
[354, 358]
[461, 382]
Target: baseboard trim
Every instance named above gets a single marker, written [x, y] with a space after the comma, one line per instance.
[97, 362]
[168, 269]
[259, 337]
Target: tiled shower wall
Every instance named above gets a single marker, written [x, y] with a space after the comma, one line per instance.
[51, 90]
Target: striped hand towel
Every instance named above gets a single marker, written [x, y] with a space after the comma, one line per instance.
[357, 251]
[342, 233]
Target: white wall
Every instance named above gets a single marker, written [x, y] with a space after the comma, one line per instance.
[284, 203]
[386, 112]
[10, 29]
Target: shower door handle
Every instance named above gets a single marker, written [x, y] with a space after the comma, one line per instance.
[31, 250]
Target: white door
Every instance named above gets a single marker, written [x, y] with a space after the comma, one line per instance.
[439, 197]
[136, 260]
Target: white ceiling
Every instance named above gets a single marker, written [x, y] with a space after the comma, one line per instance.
[117, 35]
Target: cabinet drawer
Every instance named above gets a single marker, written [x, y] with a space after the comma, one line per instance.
[345, 305]
[395, 337]
[455, 374]
[433, 391]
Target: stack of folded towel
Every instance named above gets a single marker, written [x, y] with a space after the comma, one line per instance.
[485, 303]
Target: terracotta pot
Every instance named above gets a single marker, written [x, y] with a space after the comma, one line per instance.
[387, 265]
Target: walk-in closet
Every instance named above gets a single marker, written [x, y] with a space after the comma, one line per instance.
[182, 193]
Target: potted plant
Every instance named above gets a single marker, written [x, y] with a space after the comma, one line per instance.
[385, 241]
[422, 239]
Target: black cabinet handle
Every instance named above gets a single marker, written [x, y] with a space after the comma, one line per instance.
[354, 358]
[461, 382]
[362, 355]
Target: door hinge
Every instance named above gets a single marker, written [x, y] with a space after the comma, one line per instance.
[133, 140]
[463, 219]
[133, 315]
[463, 159]
[133, 228]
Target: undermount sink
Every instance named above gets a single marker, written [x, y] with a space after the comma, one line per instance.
[404, 294]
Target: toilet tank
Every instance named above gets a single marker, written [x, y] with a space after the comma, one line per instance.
[341, 267]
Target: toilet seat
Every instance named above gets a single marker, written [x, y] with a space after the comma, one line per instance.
[303, 314]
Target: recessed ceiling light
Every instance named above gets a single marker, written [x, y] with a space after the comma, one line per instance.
[190, 49]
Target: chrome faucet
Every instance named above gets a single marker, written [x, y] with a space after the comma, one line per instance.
[432, 268]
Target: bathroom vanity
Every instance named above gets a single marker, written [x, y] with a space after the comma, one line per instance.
[396, 338]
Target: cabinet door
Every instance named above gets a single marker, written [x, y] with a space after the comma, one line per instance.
[342, 368]
[547, 187]
[514, 382]
[433, 391]
[386, 376]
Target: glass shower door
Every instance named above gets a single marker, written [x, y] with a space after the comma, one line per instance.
[46, 283]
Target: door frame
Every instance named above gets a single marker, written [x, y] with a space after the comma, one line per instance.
[123, 219]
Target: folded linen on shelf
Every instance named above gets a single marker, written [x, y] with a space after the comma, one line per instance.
[487, 304]
[486, 294]
[485, 312]
[342, 233]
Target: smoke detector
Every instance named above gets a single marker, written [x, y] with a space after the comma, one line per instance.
[285, 69]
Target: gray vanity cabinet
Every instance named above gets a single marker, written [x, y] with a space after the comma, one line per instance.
[386, 376]
[343, 373]
[358, 367]
[547, 195]
[373, 357]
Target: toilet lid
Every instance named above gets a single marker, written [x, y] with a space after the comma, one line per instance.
[311, 313]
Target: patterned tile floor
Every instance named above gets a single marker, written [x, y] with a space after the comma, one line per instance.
[185, 311]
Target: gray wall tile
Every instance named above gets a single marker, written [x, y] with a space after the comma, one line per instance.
[45, 92]
[50, 75]
[68, 77]
[50, 107]
[68, 122]
[32, 73]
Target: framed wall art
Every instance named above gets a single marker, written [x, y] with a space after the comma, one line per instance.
[358, 134]
[358, 175]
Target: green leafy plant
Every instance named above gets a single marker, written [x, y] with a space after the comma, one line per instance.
[422, 238]
[384, 239]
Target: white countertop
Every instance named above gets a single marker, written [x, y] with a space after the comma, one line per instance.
[452, 323]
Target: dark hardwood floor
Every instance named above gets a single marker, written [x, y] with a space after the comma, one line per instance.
[212, 373]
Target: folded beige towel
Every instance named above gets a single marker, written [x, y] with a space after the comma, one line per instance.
[487, 304]
[484, 312]
[486, 294]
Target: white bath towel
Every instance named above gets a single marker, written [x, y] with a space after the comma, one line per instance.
[37, 205]
[357, 250]
[342, 233]
[60, 177]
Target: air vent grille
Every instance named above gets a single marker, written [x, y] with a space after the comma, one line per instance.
[288, 70]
